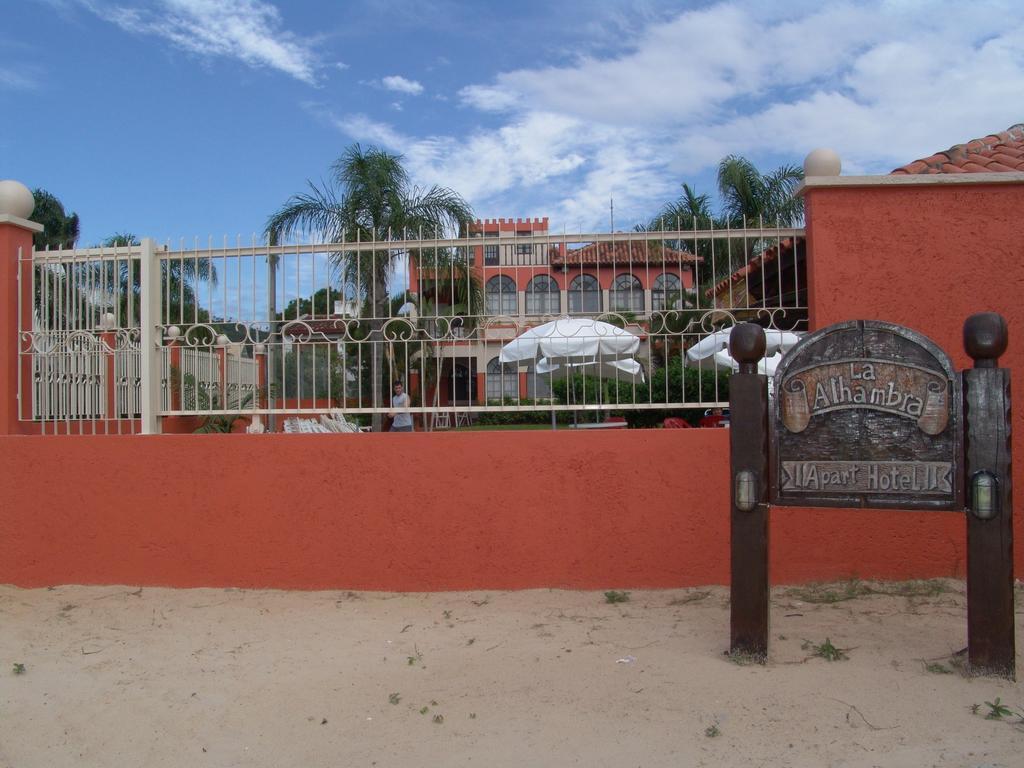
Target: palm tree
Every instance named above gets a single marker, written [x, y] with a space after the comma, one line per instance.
[750, 197]
[179, 277]
[369, 198]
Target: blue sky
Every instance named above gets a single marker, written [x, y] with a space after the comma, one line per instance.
[183, 118]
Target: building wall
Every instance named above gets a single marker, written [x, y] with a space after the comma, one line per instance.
[927, 257]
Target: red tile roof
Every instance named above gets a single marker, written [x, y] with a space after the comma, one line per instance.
[997, 153]
[769, 255]
[636, 252]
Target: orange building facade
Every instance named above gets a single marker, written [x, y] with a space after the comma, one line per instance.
[529, 276]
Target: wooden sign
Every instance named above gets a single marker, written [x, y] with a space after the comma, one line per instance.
[866, 414]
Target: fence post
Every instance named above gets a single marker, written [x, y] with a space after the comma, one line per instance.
[987, 457]
[748, 459]
[150, 338]
[16, 205]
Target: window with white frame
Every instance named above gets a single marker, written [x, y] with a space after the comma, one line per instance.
[584, 294]
[667, 292]
[542, 296]
[502, 380]
[626, 295]
[501, 296]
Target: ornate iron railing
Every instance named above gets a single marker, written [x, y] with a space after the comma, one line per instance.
[299, 330]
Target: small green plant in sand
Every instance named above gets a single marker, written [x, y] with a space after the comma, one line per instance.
[424, 710]
[394, 698]
[938, 669]
[825, 650]
[1001, 712]
[997, 710]
[712, 731]
[613, 596]
[19, 668]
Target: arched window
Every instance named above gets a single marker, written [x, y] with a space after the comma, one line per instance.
[666, 293]
[538, 385]
[584, 294]
[502, 380]
[542, 296]
[626, 295]
[501, 296]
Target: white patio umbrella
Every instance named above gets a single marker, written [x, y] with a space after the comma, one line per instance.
[715, 346]
[575, 342]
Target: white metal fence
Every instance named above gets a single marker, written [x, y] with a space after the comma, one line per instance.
[302, 329]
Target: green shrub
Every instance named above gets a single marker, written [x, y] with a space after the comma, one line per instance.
[666, 385]
[494, 418]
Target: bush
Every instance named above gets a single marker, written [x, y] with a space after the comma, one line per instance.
[494, 418]
[667, 385]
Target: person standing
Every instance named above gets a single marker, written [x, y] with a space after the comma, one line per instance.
[399, 413]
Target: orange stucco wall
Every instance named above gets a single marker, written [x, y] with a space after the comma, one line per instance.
[380, 511]
[927, 257]
[636, 508]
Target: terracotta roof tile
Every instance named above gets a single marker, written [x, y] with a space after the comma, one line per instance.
[602, 253]
[997, 153]
[918, 166]
[1010, 158]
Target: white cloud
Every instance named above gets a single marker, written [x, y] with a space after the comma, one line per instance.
[402, 85]
[248, 30]
[570, 168]
[882, 82]
[489, 98]
[364, 129]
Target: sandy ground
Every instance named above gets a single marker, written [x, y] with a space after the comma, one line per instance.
[116, 676]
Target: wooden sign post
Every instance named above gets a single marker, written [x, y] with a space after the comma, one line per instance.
[871, 414]
[748, 450]
[990, 640]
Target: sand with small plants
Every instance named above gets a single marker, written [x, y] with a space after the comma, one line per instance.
[121, 676]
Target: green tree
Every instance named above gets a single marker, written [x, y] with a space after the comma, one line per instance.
[60, 228]
[369, 197]
[750, 197]
[58, 304]
[320, 304]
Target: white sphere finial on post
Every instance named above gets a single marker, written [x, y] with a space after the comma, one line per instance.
[16, 199]
[822, 162]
